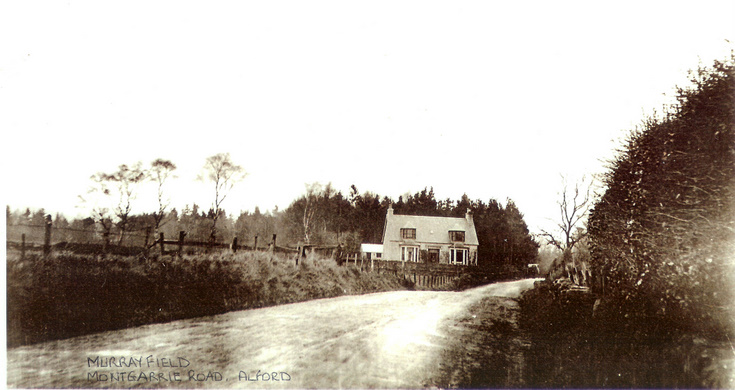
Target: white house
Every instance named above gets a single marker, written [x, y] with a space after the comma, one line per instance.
[445, 240]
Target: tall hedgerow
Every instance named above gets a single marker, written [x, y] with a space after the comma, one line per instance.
[662, 236]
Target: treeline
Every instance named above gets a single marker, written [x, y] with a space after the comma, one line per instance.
[325, 216]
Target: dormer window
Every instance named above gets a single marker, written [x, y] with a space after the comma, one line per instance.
[456, 236]
[408, 234]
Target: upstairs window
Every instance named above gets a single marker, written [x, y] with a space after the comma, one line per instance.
[408, 234]
[456, 236]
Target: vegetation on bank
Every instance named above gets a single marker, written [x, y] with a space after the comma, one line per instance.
[574, 343]
[65, 295]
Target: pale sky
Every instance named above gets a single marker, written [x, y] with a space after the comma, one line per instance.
[492, 99]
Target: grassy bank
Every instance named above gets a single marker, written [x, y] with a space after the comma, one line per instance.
[67, 295]
[578, 341]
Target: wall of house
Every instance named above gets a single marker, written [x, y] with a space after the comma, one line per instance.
[392, 251]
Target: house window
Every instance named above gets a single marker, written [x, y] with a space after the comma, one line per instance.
[408, 234]
[410, 253]
[456, 236]
[458, 256]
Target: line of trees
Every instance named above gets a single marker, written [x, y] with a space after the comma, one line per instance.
[320, 216]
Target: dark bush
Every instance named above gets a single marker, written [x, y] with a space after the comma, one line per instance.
[663, 233]
[661, 241]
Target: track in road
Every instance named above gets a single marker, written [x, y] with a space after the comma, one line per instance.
[382, 340]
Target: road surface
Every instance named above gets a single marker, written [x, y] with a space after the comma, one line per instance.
[382, 340]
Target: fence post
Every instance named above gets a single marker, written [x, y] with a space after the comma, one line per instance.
[23, 246]
[47, 236]
[234, 245]
[274, 242]
[255, 244]
[181, 242]
[147, 238]
[160, 242]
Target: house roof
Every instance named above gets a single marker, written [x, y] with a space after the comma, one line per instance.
[432, 230]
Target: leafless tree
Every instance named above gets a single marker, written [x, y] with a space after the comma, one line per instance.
[313, 191]
[98, 201]
[126, 179]
[573, 207]
[223, 173]
[160, 171]
[121, 184]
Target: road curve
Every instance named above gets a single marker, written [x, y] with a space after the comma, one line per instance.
[382, 340]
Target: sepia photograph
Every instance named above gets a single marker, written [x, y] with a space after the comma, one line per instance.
[368, 195]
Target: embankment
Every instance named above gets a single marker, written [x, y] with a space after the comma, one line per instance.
[67, 295]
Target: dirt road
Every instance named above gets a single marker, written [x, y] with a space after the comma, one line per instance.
[382, 340]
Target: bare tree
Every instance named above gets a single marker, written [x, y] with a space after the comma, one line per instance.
[313, 191]
[573, 207]
[221, 171]
[126, 179]
[120, 185]
[160, 171]
[98, 201]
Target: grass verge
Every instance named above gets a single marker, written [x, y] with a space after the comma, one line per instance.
[578, 341]
[487, 348]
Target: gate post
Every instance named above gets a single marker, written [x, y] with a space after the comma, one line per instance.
[181, 242]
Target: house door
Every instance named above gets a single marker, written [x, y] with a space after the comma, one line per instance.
[432, 256]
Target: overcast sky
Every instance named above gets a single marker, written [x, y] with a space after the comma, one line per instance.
[492, 99]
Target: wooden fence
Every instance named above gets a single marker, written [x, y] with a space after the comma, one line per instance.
[430, 275]
[33, 238]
